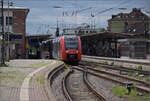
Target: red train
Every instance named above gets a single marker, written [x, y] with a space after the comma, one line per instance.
[67, 47]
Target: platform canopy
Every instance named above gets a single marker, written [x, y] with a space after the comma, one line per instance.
[110, 35]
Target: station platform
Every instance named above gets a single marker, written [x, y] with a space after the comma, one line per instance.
[125, 62]
[26, 80]
[129, 60]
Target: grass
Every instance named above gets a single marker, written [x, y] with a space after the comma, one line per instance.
[133, 92]
[41, 64]
[139, 67]
[2, 77]
[135, 76]
[10, 75]
[40, 79]
[99, 67]
[59, 59]
[147, 97]
[129, 74]
[105, 63]
[144, 97]
[112, 63]
[147, 79]
[30, 79]
[121, 92]
[6, 59]
[66, 68]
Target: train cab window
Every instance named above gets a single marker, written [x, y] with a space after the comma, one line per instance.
[71, 43]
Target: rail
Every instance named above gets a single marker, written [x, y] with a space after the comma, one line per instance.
[140, 88]
[127, 69]
[92, 88]
[54, 72]
[121, 76]
[64, 88]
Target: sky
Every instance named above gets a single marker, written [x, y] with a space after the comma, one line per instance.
[44, 14]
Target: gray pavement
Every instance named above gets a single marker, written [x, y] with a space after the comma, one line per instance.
[13, 76]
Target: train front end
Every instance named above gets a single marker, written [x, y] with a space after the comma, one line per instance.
[72, 49]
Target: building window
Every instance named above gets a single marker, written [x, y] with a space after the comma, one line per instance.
[0, 20]
[10, 20]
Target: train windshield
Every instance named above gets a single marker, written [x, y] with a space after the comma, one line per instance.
[71, 43]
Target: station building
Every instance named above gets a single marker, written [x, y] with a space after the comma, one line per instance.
[16, 16]
[81, 30]
[134, 22]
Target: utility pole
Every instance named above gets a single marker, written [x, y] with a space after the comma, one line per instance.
[8, 33]
[2, 50]
[9, 4]
[57, 29]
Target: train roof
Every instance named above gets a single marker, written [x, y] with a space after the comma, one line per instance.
[58, 38]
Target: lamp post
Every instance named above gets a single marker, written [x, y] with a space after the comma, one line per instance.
[2, 49]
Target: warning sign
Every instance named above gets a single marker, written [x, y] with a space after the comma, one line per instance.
[27, 46]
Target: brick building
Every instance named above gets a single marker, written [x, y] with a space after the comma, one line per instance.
[134, 22]
[17, 30]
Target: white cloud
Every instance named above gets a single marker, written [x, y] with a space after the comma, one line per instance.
[43, 19]
[75, 19]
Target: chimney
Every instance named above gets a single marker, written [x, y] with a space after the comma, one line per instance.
[136, 10]
[121, 15]
[113, 16]
[139, 10]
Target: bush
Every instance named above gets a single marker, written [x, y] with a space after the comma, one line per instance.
[139, 67]
[122, 91]
[119, 91]
[133, 92]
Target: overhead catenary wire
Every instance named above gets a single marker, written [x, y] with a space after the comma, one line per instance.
[108, 9]
[73, 12]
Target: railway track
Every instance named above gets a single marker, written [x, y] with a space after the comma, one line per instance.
[54, 73]
[140, 88]
[120, 68]
[75, 86]
[140, 82]
[92, 89]
[64, 86]
[80, 88]
[81, 94]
